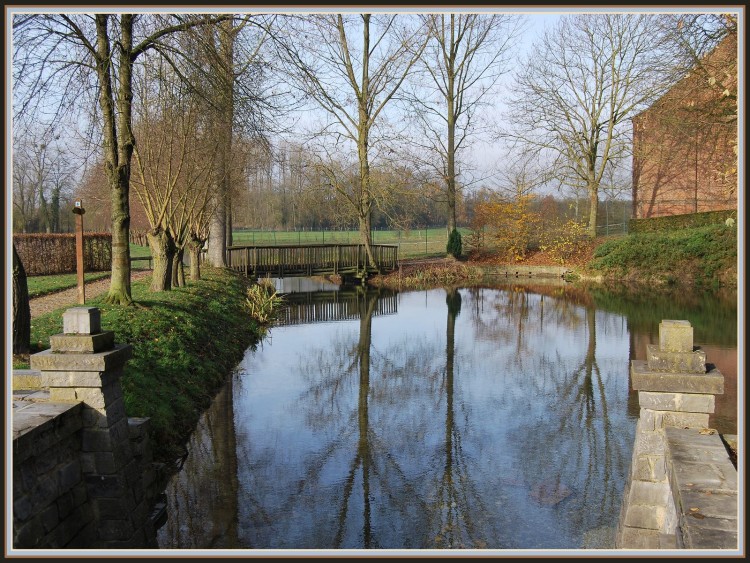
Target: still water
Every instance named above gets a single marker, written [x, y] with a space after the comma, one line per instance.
[475, 418]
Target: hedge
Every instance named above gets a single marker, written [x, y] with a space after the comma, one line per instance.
[55, 253]
[676, 222]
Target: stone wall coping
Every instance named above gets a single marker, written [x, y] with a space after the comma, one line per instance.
[644, 379]
[27, 379]
[33, 418]
[49, 360]
[704, 487]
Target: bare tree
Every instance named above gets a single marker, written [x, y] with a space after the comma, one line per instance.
[692, 37]
[228, 70]
[466, 56]
[54, 51]
[42, 175]
[576, 90]
[353, 81]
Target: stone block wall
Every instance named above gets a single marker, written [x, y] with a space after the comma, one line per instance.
[50, 501]
[676, 393]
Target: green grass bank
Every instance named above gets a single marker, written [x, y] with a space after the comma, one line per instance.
[703, 257]
[185, 343]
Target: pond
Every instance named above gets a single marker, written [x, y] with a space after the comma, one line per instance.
[489, 418]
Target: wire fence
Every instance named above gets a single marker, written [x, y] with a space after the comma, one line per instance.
[414, 243]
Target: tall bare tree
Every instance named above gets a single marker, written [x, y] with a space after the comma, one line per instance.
[578, 87]
[42, 177]
[53, 51]
[466, 56]
[226, 67]
[351, 66]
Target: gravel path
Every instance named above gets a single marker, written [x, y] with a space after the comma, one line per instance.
[69, 297]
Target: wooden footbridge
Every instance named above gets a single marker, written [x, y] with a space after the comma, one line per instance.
[309, 260]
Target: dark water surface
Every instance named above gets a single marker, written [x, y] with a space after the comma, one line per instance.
[477, 418]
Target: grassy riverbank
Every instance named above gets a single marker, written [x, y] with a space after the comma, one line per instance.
[185, 343]
[702, 257]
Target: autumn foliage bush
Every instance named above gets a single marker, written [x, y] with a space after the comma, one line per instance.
[511, 229]
[510, 225]
[564, 241]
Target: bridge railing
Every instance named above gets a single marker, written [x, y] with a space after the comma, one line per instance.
[324, 306]
[285, 260]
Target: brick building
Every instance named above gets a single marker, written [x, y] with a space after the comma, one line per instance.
[685, 149]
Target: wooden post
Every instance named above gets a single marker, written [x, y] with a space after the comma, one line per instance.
[79, 211]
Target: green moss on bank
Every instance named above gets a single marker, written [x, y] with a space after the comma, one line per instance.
[185, 343]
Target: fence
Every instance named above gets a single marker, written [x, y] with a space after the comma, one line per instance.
[415, 243]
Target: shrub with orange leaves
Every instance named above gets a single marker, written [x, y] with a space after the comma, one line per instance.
[510, 224]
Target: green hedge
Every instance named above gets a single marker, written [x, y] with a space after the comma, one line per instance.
[676, 222]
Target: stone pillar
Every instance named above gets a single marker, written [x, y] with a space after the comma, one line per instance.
[674, 390]
[84, 364]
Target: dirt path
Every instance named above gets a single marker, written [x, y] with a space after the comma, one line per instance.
[69, 297]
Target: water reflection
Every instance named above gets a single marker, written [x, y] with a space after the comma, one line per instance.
[496, 418]
[202, 498]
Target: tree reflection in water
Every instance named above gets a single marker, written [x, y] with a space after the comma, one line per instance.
[573, 451]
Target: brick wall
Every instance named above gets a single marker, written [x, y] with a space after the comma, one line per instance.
[50, 502]
[685, 145]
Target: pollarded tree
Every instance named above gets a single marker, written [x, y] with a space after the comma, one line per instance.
[576, 91]
[171, 172]
[55, 54]
[351, 67]
[460, 67]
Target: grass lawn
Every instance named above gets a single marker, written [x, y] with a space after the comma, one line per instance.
[44, 285]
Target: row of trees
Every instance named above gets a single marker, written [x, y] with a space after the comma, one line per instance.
[43, 182]
[187, 104]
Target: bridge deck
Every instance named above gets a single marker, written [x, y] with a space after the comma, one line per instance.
[308, 260]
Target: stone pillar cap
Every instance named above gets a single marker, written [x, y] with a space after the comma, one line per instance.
[82, 320]
[675, 336]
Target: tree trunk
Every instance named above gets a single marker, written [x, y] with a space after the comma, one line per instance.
[162, 251]
[593, 208]
[217, 231]
[365, 233]
[365, 197]
[194, 250]
[217, 238]
[178, 270]
[451, 149]
[21, 308]
[119, 287]
[229, 224]
[117, 151]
